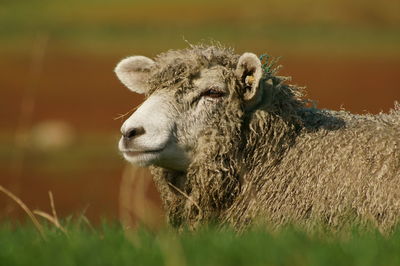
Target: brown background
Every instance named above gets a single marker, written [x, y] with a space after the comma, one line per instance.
[49, 78]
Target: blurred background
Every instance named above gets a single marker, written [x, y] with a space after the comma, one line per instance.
[59, 96]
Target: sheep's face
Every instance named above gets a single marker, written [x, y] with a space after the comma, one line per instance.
[165, 130]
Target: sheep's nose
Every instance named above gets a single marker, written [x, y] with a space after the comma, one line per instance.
[131, 133]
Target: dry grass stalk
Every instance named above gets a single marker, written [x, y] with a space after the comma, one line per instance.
[51, 218]
[87, 222]
[52, 205]
[120, 116]
[25, 208]
[186, 196]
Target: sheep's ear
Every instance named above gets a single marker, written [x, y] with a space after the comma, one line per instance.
[134, 71]
[249, 72]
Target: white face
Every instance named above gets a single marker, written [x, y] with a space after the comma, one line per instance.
[165, 132]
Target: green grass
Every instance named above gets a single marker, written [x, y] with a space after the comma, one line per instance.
[335, 27]
[108, 245]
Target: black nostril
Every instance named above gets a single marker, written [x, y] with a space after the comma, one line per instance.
[133, 132]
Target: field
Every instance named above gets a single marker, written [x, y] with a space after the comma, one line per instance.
[108, 245]
[59, 100]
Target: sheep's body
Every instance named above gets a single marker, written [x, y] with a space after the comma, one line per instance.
[280, 161]
[335, 176]
[341, 169]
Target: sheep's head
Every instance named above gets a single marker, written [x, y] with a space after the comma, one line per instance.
[189, 94]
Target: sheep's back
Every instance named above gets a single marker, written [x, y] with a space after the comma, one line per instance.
[344, 173]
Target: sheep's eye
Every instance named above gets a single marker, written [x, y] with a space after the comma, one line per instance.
[213, 93]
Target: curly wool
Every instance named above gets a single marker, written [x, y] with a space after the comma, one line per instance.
[282, 162]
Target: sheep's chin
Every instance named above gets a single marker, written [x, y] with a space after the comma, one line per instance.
[142, 158]
[169, 158]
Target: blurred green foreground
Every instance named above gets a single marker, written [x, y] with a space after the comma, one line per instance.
[109, 246]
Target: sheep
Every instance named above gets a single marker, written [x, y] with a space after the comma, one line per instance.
[230, 142]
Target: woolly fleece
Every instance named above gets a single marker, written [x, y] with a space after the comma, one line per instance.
[280, 161]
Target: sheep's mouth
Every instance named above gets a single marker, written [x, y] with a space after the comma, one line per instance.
[133, 153]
